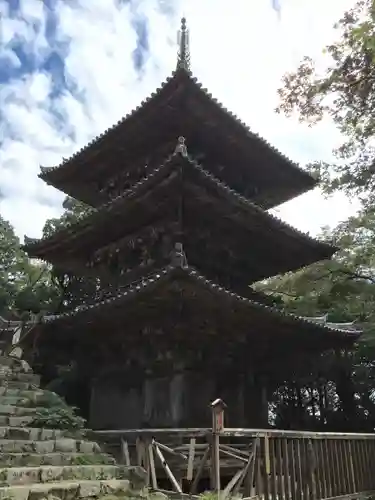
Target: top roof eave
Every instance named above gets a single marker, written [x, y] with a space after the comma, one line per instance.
[47, 173]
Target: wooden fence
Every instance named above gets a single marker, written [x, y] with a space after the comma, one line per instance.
[269, 464]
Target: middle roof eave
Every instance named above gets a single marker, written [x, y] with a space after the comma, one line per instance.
[75, 234]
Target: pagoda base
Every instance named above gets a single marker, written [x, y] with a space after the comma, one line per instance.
[179, 400]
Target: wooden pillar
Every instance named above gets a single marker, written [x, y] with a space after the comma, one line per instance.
[217, 407]
[263, 414]
[256, 401]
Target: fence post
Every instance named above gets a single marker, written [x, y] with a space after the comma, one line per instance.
[217, 408]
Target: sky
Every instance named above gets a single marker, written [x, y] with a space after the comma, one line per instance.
[69, 69]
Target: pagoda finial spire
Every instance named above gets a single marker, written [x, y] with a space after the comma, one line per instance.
[183, 58]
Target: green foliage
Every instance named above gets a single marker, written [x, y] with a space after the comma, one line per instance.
[74, 210]
[342, 396]
[58, 417]
[74, 289]
[209, 495]
[345, 286]
[25, 287]
[346, 93]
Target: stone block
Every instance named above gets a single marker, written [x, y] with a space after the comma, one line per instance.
[16, 446]
[5, 372]
[62, 491]
[24, 475]
[136, 475]
[14, 493]
[52, 474]
[89, 447]
[48, 474]
[158, 495]
[45, 434]
[12, 400]
[44, 446]
[7, 409]
[16, 385]
[7, 361]
[92, 459]
[55, 459]
[114, 486]
[66, 445]
[89, 489]
[19, 421]
[19, 433]
[31, 378]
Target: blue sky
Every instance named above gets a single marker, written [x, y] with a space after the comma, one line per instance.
[69, 69]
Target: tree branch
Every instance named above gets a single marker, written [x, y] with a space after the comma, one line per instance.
[349, 275]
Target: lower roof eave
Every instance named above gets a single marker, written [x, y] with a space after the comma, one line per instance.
[152, 282]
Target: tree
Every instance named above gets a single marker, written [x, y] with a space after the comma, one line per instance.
[74, 289]
[345, 285]
[346, 93]
[25, 287]
[12, 267]
[341, 398]
[74, 210]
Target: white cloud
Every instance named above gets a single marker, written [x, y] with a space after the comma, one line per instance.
[239, 51]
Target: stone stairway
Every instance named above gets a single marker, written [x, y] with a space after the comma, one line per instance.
[38, 463]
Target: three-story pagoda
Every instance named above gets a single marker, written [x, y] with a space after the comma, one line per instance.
[177, 234]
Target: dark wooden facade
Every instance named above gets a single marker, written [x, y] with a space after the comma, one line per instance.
[177, 236]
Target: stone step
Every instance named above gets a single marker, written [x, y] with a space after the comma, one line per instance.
[30, 378]
[29, 398]
[51, 474]
[22, 393]
[15, 421]
[19, 410]
[15, 400]
[13, 362]
[19, 385]
[64, 445]
[37, 434]
[9, 360]
[37, 459]
[66, 490]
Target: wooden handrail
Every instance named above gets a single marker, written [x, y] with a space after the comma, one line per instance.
[271, 464]
[234, 432]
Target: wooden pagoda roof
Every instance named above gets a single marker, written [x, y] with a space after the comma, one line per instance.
[182, 106]
[179, 283]
[119, 217]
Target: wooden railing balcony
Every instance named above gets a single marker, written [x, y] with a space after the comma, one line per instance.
[268, 464]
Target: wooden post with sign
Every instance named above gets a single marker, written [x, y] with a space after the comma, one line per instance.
[217, 407]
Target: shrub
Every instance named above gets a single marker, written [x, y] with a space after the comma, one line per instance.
[58, 418]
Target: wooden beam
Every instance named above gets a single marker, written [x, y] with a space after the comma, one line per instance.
[151, 462]
[190, 467]
[125, 452]
[167, 470]
[200, 470]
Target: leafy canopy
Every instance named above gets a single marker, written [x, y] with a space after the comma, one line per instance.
[25, 286]
[346, 93]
